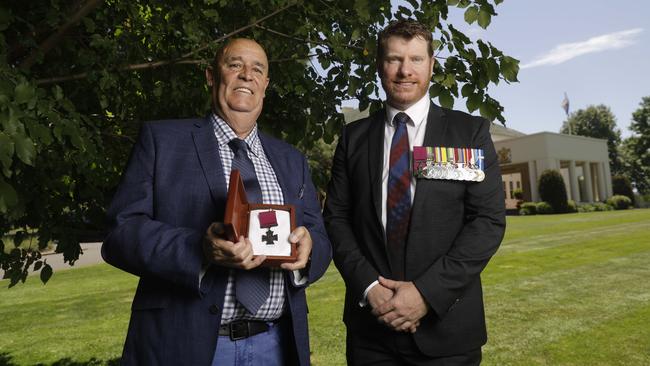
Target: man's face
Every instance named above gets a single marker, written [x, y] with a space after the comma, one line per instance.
[243, 78]
[405, 71]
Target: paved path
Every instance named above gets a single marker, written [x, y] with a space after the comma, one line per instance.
[91, 256]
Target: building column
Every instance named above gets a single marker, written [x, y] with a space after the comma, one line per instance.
[602, 188]
[589, 191]
[533, 178]
[608, 181]
[573, 181]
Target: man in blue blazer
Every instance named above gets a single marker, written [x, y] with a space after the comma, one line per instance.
[165, 228]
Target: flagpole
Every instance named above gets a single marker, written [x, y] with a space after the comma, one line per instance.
[565, 106]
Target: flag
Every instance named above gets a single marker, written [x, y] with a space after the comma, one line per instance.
[565, 104]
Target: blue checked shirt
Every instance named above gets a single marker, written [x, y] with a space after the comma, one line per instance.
[271, 194]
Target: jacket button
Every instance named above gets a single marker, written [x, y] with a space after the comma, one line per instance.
[214, 309]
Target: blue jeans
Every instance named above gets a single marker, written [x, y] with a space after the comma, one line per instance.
[264, 349]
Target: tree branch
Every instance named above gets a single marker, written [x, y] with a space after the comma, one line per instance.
[239, 30]
[55, 38]
[179, 60]
[304, 40]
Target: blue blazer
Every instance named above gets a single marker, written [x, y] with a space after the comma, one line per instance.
[173, 188]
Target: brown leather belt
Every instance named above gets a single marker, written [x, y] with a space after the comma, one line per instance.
[241, 329]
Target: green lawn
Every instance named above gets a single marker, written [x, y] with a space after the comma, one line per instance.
[562, 290]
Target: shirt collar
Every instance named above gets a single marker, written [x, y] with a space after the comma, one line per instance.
[224, 134]
[417, 112]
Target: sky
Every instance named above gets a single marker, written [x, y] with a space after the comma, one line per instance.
[597, 51]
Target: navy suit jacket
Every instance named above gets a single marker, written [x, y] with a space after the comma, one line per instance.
[172, 189]
[455, 228]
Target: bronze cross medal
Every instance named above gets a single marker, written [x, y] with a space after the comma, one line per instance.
[268, 220]
[270, 237]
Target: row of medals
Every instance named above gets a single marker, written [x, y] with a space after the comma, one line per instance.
[452, 171]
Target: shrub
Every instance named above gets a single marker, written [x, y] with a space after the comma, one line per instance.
[528, 208]
[572, 206]
[602, 206]
[621, 186]
[518, 194]
[587, 207]
[544, 208]
[619, 202]
[553, 191]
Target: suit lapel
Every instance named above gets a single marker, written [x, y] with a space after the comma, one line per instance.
[433, 136]
[376, 159]
[207, 150]
[436, 126]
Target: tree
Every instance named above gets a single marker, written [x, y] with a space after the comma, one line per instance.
[599, 122]
[635, 150]
[77, 78]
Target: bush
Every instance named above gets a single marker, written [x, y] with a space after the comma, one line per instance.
[621, 186]
[587, 207]
[518, 194]
[619, 202]
[572, 206]
[544, 208]
[553, 191]
[528, 208]
[601, 206]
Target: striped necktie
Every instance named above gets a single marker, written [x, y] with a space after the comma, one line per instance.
[251, 286]
[398, 202]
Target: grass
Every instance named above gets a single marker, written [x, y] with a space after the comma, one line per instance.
[562, 290]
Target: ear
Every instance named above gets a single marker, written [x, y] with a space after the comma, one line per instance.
[266, 85]
[208, 76]
[433, 62]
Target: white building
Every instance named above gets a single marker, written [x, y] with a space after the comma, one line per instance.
[582, 161]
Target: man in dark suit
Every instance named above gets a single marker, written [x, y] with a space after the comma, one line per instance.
[202, 299]
[410, 249]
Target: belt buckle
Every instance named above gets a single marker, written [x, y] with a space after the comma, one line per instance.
[239, 330]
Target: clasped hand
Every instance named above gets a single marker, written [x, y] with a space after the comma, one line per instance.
[397, 304]
[221, 251]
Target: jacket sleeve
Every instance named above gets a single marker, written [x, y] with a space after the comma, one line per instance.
[355, 269]
[321, 252]
[444, 281]
[139, 244]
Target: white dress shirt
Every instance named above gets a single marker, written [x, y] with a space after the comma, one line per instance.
[415, 129]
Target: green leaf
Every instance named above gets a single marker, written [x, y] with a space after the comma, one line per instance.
[435, 44]
[434, 90]
[41, 134]
[449, 81]
[24, 93]
[492, 69]
[46, 273]
[5, 18]
[467, 90]
[484, 19]
[509, 68]
[485, 50]
[38, 265]
[474, 100]
[452, 2]
[471, 14]
[6, 151]
[25, 149]
[8, 196]
[9, 121]
[58, 92]
[445, 99]
[362, 9]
